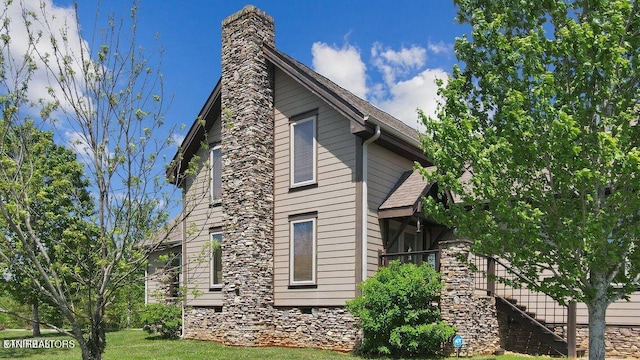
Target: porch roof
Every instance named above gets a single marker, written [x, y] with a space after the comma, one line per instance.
[404, 199]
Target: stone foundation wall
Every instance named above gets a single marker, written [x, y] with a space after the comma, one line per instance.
[203, 323]
[331, 328]
[324, 328]
[620, 341]
[473, 315]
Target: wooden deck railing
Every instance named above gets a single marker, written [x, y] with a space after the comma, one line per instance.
[417, 257]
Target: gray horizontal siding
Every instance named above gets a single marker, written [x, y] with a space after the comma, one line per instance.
[333, 199]
[621, 312]
[202, 217]
[385, 168]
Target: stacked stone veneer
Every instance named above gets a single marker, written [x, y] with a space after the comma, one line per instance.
[620, 341]
[248, 316]
[167, 282]
[473, 315]
[247, 176]
[330, 328]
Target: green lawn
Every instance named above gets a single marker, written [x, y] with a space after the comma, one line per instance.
[137, 344]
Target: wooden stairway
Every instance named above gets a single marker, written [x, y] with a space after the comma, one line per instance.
[528, 321]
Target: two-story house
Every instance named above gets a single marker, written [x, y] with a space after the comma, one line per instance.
[290, 172]
[294, 191]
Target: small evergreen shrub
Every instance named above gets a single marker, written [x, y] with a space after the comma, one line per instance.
[398, 312]
[165, 320]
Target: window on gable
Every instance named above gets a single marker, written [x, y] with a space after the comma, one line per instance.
[215, 159]
[216, 260]
[303, 151]
[302, 257]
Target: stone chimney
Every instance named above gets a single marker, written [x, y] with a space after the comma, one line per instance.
[247, 177]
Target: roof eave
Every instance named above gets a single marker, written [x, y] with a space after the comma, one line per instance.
[342, 106]
[191, 142]
[399, 142]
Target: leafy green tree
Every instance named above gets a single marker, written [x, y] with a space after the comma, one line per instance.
[55, 201]
[397, 312]
[104, 97]
[128, 304]
[7, 302]
[541, 117]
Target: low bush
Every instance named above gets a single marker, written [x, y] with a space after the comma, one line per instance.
[398, 312]
[164, 320]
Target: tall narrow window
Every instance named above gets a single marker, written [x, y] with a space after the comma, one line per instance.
[216, 174]
[303, 252]
[303, 151]
[216, 260]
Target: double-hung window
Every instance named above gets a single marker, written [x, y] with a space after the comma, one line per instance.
[216, 174]
[215, 265]
[302, 253]
[303, 150]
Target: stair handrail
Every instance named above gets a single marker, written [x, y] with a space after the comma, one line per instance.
[521, 282]
[512, 270]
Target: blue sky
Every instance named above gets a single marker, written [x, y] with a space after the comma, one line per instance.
[389, 52]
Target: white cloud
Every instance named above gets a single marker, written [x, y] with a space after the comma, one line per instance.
[393, 63]
[177, 139]
[406, 82]
[343, 66]
[48, 21]
[51, 21]
[79, 143]
[403, 98]
[440, 47]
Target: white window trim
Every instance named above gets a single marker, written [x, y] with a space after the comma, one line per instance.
[211, 198]
[291, 152]
[212, 261]
[313, 247]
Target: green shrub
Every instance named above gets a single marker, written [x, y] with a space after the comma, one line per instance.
[398, 312]
[165, 320]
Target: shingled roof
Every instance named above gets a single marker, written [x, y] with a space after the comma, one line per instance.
[405, 199]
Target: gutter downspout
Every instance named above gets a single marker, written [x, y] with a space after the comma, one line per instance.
[365, 198]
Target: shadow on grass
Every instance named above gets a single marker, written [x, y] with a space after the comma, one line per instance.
[13, 353]
[159, 337]
[14, 335]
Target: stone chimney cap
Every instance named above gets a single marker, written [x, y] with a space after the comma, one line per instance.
[248, 10]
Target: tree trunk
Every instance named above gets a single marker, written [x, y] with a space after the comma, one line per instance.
[129, 310]
[93, 346]
[597, 312]
[97, 336]
[36, 320]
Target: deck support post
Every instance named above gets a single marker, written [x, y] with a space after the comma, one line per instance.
[571, 330]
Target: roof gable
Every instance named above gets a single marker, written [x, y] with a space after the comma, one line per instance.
[356, 109]
[363, 116]
[405, 198]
